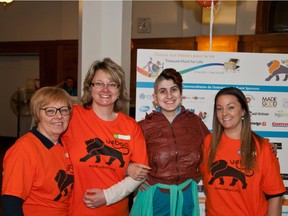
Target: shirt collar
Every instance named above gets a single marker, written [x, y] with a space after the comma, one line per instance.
[45, 141]
[158, 109]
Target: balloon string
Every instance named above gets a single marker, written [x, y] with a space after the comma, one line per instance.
[211, 23]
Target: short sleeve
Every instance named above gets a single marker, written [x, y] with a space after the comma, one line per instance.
[205, 150]
[272, 182]
[139, 152]
[18, 172]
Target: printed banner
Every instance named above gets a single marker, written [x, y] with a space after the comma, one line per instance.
[263, 78]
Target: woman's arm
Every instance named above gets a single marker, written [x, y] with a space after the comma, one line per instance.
[94, 198]
[275, 206]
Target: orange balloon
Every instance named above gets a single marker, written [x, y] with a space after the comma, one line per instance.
[206, 3]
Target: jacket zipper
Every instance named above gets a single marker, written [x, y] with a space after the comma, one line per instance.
[176, 152]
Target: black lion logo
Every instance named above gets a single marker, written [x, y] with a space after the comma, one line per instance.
[64, 181]
[220, 169]
[96, 147]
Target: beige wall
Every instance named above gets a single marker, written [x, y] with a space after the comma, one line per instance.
[39, 20]
[58, 20]
[29, 21]
[184, 18]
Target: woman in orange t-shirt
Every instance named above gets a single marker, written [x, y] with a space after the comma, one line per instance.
[102, 142]
[37, 178]
[241, 174]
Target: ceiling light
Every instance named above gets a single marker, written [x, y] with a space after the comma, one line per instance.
[5, 2]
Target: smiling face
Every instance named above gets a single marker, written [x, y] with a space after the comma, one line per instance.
[167, 96]
[229, 114]
[53, 127]
[103, 96]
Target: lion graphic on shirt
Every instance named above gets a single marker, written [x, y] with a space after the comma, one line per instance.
[220, 169]
[96, 147]
[64, 182]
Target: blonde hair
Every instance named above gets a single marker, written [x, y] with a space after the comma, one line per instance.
[47, 95]
[117, 75]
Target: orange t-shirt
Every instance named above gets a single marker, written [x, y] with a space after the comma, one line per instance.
[37, 171]
[100, 153]
[231, 191]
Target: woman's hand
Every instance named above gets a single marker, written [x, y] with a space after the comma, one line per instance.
[144, 186]
[94, 198]
[138, 171]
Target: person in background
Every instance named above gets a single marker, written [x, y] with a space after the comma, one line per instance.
[102, 142]
[68, 85]
[174, 138]
[241, 174]
[37, 176]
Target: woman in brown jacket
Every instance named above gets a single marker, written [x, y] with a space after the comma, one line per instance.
[174, 138]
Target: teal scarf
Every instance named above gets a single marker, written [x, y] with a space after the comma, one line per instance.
[143, 205]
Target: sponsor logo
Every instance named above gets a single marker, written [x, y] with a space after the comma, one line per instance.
[279, 124]
[200, 188]
[278, 144]
[144, 108]
[143, 96]
[259, 113]
[191, 110]
[263, 124]
[249, 98]
[202, 115]
[277, 68]
[194, 99]
[284, 176]
[281, 114]
[269, 102]
[197, 98]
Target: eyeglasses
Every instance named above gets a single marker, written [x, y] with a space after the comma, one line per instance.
[100, 85]
[51, 111]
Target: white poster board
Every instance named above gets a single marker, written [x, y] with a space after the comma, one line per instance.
[263, 78]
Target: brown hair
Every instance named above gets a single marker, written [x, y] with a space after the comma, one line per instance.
[117, 75]
[169, 74]
[248, 143]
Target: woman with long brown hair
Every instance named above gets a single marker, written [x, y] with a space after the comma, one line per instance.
[241, 174]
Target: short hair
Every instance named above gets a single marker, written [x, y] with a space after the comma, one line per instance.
[117, 75]
[45, 96]
[169, 74]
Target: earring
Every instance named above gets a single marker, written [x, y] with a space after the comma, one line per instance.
[155, 104]
[242, 118]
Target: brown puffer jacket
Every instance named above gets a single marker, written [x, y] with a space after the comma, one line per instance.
[174, 150]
